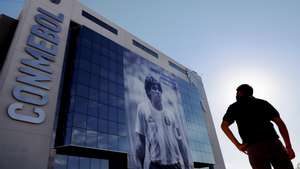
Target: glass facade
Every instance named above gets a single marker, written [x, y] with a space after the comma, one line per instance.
[76, 162]
[95, 115]
[196, 126]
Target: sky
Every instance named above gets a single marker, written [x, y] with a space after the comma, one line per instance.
[228, 43]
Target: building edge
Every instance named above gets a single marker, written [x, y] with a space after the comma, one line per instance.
[197, 81]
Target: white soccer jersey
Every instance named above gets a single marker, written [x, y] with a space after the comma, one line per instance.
[161, 132]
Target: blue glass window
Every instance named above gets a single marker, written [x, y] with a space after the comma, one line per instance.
[79, 120]
[84, 163]
[103, 140]
[92, 123]
[97, 95]
[78, 136]
[91, 138]
[73, 162]
[103, 125]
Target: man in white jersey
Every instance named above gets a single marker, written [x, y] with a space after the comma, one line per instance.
[159, 136]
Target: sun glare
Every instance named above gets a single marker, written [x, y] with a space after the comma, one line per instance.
[263, 83]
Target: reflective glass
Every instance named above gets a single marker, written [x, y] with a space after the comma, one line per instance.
[60, 162]
[92, 123]
[91, 138]
[73, 162]
[84, 163]
[79, 120]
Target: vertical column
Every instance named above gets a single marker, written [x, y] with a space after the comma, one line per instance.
[29, 83]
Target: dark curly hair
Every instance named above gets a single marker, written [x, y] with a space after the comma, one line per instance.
[149, 82]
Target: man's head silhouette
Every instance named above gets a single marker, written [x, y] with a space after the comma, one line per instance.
[243, 92]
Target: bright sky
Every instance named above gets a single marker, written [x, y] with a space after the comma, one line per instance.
[227, 43]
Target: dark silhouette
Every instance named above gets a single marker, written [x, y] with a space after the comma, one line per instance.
[259, 138]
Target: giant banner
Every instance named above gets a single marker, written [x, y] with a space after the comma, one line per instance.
[155, 118]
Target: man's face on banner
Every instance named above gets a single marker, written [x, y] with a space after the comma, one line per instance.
[155, 93]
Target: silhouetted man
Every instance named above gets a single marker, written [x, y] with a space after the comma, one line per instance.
[158, 132]
[260, 140]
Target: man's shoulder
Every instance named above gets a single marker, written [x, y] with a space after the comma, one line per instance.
[233, 105]
[260, 101]
[253, 100]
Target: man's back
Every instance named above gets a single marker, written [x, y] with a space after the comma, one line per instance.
[253, 117]
[260, 140]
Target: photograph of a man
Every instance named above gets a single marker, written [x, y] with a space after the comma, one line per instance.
[159, 136]
[259, 138]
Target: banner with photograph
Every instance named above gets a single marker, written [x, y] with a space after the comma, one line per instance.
[157, 130]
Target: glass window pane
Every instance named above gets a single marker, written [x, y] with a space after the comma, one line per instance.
[60, 162]
[95, 164]
[92, 123]
[84, 163]
[91, 138]
[93, 108]
[78, 136]
[73, 162]
[79, 120]
[103, 140]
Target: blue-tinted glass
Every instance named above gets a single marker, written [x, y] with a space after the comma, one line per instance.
[82, 90]
[122, 130]
[123, 144]
[103, 126]
[95, 163]
[83, 77]
[104, 164]
[92, 123]
[93, 94]
[85, 43]
[70, 119]
[73, 87]
[103, 84]
[113, 77]
[60, 162]
[113, 128]
[104, 72]
[72, 103]
[120, 103]
[78, 136]
[91, 138]
[103, 111]
[68, 136]
[73, 162]
[122, 116]
[112, 88]
[112, 100]
[79, 120]
[113, 114]
[105, 52]
[93, 108]
[118, 77]
[103, 97]
[94, 82]
[81, 105]
[120, 91]
[84, 65]
[95, 67]
[113, 141]
[84, 163]
[103, 140]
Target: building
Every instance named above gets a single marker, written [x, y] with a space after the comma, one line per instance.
[78, 91]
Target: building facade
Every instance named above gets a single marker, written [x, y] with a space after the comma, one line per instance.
[79, 92]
